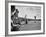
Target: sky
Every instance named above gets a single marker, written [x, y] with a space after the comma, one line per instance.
[30, 11]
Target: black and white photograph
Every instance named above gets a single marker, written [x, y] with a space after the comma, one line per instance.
[25, 18]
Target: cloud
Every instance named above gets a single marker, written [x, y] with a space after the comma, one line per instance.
[29, 11]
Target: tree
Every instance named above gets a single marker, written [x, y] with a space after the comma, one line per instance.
[12, 8]
[26, 19]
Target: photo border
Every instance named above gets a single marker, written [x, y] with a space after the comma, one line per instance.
[6, 17]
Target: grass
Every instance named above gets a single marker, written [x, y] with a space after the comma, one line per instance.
[32, 25]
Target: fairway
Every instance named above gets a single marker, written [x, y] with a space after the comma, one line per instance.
[32, 25]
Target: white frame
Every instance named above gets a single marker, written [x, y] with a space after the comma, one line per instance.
[24, 32]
